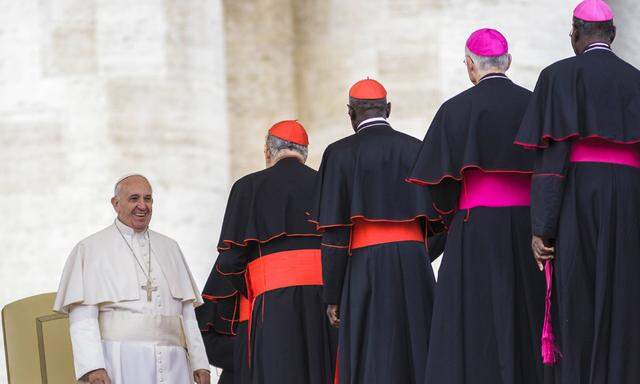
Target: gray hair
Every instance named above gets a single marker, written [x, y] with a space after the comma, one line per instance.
[276, 144]
[486, 63]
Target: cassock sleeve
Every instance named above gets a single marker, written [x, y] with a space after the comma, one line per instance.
[219, 349]
[445, 199]
[547, 188]
[335, 256]
[197, 353]
[232, 264]
[86, 342]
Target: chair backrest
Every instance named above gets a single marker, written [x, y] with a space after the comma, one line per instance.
[37, 343]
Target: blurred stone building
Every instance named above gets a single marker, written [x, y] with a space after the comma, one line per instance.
[184, 91]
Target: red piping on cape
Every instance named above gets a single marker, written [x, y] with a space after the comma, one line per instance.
[424, 183]
[229, 273]
[232, 321]
[320, 227]
[246, 241]
[206, 328]
[209, 327]
[441, 211]
[216, 298]
[545, 145]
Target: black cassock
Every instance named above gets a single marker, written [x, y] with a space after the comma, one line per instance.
[385, 291]
[289, 337]
[223, 331]
[591, 211]
[489, 305]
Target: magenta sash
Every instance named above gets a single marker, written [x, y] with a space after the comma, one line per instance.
[597, 150]
[494, 189]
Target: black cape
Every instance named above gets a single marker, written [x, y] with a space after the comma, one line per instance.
[362, 176]
[488, 311]
[385, 291]
[590, 212]
[595, 94]
[290, 340]
[475, 129]
[260, 209]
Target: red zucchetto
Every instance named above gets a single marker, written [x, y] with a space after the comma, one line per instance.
[290, 130]
[367, 89]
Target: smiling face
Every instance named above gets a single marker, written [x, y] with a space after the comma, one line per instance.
[134, 202]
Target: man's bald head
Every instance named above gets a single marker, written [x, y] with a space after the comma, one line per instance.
[133, 201]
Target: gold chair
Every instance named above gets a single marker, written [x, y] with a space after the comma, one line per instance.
[36, 342]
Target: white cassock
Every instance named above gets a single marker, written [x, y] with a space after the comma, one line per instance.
[113, 326]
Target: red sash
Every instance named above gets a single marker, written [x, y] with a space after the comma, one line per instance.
[366, 233]
[284, 269]
[280, 270]
[245, 309]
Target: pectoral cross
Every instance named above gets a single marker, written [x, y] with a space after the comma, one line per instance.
[150, 289]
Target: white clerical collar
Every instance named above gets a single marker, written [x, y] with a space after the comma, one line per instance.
[128, 231]
[374, 121]
[598, 46]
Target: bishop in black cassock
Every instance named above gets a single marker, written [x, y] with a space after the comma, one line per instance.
[584, 125]
[488, 309]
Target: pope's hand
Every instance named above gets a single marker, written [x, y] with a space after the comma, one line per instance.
[99, 376]
[202, 376]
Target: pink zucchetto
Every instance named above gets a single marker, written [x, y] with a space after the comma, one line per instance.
[487, 42]
[593, 11]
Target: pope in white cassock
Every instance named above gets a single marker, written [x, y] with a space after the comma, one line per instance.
[130, 298]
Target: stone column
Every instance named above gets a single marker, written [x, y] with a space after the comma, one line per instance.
[260, 76]
[627, 14]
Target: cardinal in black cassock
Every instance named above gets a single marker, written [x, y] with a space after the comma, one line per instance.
[223, 319]
[271, 254]
[584, 124]
[488, 311]
[377, 274]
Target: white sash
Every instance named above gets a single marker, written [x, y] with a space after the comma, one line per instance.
[157, 329]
